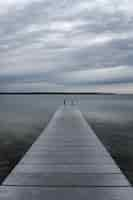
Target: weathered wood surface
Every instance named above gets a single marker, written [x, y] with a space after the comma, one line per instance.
[67, 162]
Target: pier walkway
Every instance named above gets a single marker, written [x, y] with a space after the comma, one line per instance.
[67, 162]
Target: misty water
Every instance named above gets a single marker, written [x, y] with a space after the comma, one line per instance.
[23, 118]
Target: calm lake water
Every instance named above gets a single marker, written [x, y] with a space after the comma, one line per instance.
[22, 119]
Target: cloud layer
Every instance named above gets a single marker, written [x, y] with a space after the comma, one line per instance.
[66, 45]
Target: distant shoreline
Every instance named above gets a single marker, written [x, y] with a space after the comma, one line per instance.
[61, 93]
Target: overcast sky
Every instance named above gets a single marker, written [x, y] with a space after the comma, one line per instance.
[66, 45]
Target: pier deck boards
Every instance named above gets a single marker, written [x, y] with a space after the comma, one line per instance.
[67, 162]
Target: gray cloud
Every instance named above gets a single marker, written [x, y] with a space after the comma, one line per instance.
[66, 45]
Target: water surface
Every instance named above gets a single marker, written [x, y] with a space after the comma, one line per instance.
[23, 117]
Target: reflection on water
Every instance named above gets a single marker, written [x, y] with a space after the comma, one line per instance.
[22, 118]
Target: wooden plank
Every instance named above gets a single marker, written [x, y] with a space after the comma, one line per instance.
[66, 179]
[40, 193]
[67, 168]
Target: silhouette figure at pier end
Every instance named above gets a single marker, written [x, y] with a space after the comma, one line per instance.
[69, 102]
[64, 102]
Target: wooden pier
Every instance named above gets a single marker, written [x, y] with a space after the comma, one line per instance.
[67, 162]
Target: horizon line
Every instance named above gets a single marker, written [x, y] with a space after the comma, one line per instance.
[63, 93]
